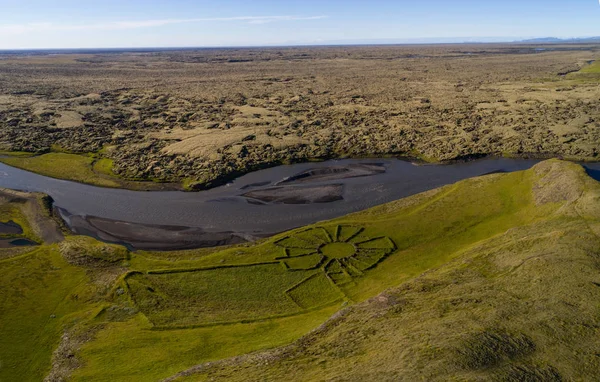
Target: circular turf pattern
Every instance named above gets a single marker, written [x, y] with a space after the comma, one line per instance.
[338, 250]
[342, 252]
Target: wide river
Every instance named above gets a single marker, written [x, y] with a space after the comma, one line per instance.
[224, 209]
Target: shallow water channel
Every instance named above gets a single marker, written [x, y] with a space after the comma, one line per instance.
[225, 209]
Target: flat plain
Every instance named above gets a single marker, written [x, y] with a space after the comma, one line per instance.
[194, 119]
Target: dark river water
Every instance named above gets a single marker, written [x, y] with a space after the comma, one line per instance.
[223, 209]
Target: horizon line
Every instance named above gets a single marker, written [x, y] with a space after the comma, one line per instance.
[292, 45]
[357, 42]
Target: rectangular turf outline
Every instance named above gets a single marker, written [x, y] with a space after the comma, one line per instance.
[216, 323]
[200, 269]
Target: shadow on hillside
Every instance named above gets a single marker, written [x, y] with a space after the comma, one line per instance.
[593, 172]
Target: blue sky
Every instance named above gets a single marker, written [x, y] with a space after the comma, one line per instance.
[137, 23]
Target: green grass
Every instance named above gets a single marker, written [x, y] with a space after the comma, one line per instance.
[217, 295]
[592, 68]
[304, 262]
[83, 168]
[435, 232]
[73, 167]
[129, 351]
[589, 73]
[516, 305]
[314, 291]
[19, 154]
[104, 166]
[37, 301]
[153, 315]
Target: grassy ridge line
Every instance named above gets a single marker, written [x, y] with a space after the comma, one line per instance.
[200, 269]
[247, 321]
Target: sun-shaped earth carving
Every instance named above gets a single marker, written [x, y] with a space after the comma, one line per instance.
[338, 250]
[342, 251]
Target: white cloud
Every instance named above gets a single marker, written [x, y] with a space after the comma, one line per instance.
[118, 25]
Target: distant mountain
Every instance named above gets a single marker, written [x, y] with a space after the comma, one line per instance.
[424, 40]
[554, 40]
[451, 40]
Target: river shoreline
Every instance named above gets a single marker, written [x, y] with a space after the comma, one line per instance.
[224, 179]
[293, 196]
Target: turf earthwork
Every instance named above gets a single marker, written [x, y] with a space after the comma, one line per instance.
[316, 264]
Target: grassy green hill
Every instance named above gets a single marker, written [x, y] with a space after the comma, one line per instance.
[495, 277]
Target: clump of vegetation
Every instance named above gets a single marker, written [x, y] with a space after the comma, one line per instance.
[490, 348]
[528, 373]
[87, 252]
